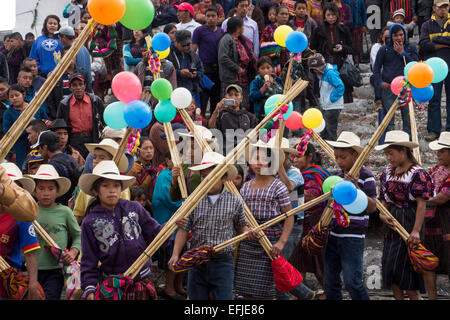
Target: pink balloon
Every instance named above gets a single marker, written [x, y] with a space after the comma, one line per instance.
[294, 122]
[126, 86]
[397, 84]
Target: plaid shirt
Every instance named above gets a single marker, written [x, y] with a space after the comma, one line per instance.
[213, 224]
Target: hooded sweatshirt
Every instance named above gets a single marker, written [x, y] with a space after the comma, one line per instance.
[331, 88]
[389, 63]
[116, 239]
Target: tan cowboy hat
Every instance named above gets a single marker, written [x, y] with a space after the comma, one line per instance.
[442, 142]
[277, 155]
[15, 174]
[48, 172]
[106, 169]
[212, 159]
[111, 133]
[396, 138]
[204, 132]
[347, 139]
[111, 147]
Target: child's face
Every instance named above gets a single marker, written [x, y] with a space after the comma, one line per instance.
[399, 19]
[236, 96]
[46, 192]
[100, 155]
[345, 158]
[283, 16]
[238, 181]
[16, 98]
[146, 151]
[25, 79]
[265, 69]
[395, 157]
[32, 65]
[109, 193]
[142, 199]
[272, 16]
[4, 91]
[300, 10]
[259, 161]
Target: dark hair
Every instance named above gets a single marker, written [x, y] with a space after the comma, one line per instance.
[409, 153]
[29, 34]
[7, 36]
[348, 149]
[169, 27]
[16, 35]
[27, 59]
[236, 2]
[331, 6]
[396, 28]
[240, 170]
[298, 2]
[37, 125]
[16, 87]
[315, 156]
[25, 69]
[44, 27]
[4, 80]
[279, 8]
[136, 192]
[94, 201]
[263, 60]
[212, 8]
[56, 183]
[233, 24]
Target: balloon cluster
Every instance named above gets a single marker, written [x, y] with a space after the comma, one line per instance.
[346, 194]
[420, 76]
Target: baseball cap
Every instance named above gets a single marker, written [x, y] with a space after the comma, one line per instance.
[66, 31]
[439, 3]
[234, 86]
[185, 6]
[183, 37]
[46, 137]
[78, 76]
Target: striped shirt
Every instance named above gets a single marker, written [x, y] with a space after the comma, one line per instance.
[216, 220]
[358, 222]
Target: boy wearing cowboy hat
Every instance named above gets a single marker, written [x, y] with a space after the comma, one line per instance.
[19, 237]
[105, 150]
[115, 231]
[345, 246]
[217, 218]
[58, 221]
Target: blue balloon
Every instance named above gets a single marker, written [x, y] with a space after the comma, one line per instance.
[165, 111]
[161, 41]
[137, 114]
[272, 101]
[422, 94]
[344, 192]
[359, 205]
[114, 115]
[296, 42]
[409, 65]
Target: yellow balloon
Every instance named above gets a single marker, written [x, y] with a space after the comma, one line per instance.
[281, 33]
[312, 118]
[163, 54]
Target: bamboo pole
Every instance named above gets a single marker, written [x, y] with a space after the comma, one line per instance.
[3, 264]
[414, 135]
[122, 146]
[10, 138]
[44, 235]
[288, 80]
[192, 201]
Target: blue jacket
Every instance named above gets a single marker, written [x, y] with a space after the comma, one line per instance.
[358, 9]
[257, 97]
[42, 50]
[331, 88]
[162, 206]
[389, 64]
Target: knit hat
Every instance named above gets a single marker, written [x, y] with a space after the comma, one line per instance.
[400, 11]
[317, 62]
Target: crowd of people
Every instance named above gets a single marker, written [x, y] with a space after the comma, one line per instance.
[107, 212]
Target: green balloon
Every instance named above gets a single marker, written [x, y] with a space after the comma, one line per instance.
[161, 89]
[165, 111]
[330, 182]
[138, 15]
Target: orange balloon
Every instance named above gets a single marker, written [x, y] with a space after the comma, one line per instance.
[420, 75]
[106, 12]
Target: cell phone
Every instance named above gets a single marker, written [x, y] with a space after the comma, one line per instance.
[228, 102]
[192, 69]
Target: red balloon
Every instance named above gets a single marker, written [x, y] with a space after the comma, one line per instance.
[397, 84]
[126, 86]
[294, 122]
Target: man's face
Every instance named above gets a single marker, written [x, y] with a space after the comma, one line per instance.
[183, 15]
[398, 37]
[29, 38]
[25, 79]
[236, 96]
[64, 40]
[78, 88]
[32, 135]
[242, 9]
[63, 135]
[3, 91]
[211, 18]
[441, 11]
[32, 65]
[182, 48]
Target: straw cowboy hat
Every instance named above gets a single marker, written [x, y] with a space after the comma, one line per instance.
[111, 147]
[277, 157]
[442, 142]
[106, 169]
[396, 138]
[212, 159]
[347, 139]
[15, 174]
[204, 132]
[49, 173]
[284, 145]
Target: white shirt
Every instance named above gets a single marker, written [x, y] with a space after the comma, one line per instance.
[190, 26]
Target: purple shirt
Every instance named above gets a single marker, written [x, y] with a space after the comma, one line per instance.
[116, 239]
[208, 43]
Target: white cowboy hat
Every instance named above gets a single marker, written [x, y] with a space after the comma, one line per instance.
[204, 132]
[106, 169]
[111, 147]
[347, 139]
[212, 159]
[284, 145]
[442, 142]
[49, 173]
[277, 157]
[397, 138]
[15, 174]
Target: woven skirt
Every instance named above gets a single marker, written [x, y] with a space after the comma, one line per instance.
[253, 275]
[396, 266]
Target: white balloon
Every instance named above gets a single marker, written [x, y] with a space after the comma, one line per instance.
[320, 128]
[181, 98]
